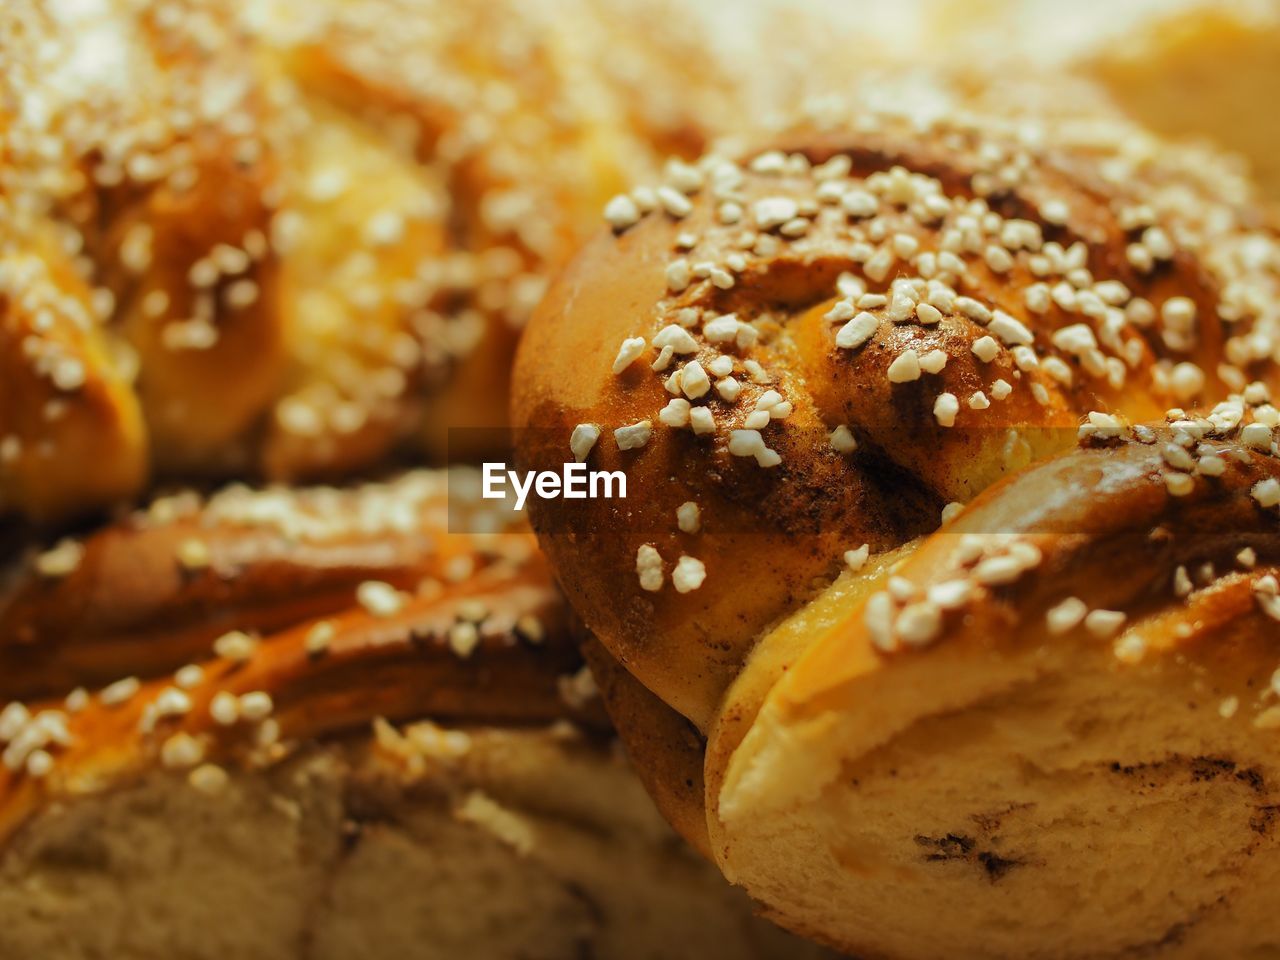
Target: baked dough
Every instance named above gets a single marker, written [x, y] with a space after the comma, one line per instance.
[951, 540]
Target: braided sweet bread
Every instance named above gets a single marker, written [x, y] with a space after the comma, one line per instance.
[943, 607]
[187, 768]
[291, 239]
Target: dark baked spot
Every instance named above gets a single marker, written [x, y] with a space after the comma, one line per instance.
[959, 846]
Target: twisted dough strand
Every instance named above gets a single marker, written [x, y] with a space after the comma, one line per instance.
[292, 240]
[820, 347]
[223, 630]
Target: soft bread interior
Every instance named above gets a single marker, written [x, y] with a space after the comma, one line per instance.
[490, 844]
[1045, 799]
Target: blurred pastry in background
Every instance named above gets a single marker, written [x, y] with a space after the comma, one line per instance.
[297, 240]
[236, 723]
[1187, 69]
[1212, 71]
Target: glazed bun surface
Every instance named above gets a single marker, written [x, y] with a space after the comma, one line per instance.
[1013, 377]
[296, 241]
[220, 711]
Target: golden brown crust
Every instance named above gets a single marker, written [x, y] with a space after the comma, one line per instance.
[307, 234]
[817, 347]
[154, 591]
[1094, 531]
[666, 749]
[1140, 623]
[222, 630]
[98, 422]
[1133, 334]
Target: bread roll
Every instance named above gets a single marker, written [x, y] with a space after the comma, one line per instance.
[277, 720]
[295, 240]
[950, 539]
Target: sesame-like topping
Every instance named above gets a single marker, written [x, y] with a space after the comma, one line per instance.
[1104, 624]
[621, 212]
[935, 361]
[857, 558]
[675, 203]
[729, 389]
[633, 437]
[679, 276]
[960, 302]
[582, 439]
[986, 348]
[998, 570]
[530, 628]
[13, 719]
[688, 575]
[628, 353]
[694, 381]
[918, 624]
[927, 313]
[171, 702]
[256, 706]
[193, 554]
[208, 778]
[119, 692]
[1104, 426]
[319, 636]
[472, 609]
[224, 708]
[676, 337]
[688, 517]
[857, 331]
[235, 645]
[380, 599]
[675, 413]
[773, 212]
[39, 763]
[842, 440]
[61, 560]
[463, 638]
[181, 751]
[578, 689]
[749, 443]
[1182, 585]
[1266, 492]
[945, 409]
[1130, 648]
[1266, 591]
[649, 568]
[1009, 331]
[952, 594]
[74, 702]
[905, 367]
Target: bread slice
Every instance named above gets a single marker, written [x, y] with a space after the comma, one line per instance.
[412, 844]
